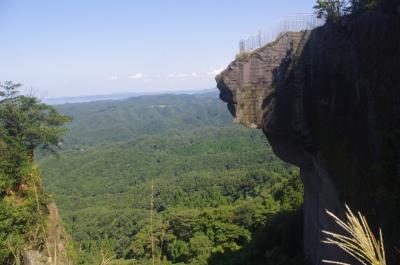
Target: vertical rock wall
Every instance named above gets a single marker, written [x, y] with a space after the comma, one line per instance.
[329, 102]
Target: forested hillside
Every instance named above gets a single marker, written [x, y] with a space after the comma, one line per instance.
[220, 195]
[103, 122]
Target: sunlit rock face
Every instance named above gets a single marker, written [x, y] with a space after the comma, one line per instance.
[329, 102]
[249, 81]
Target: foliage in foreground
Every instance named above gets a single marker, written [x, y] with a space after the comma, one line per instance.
[261, 230]
[266, 229]
[25, 124]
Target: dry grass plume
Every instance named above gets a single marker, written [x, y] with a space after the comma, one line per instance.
[359, 242]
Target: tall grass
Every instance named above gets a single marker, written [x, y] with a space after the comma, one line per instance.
[106, 260]
[359, 242]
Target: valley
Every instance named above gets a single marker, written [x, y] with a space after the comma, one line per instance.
[217, 185]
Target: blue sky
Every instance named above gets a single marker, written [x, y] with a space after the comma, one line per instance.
[84, 47]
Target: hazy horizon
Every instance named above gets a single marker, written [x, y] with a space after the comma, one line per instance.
[121, 96]
[76, 48]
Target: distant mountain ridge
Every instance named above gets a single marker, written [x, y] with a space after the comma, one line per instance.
[103, 122]
[119, 96]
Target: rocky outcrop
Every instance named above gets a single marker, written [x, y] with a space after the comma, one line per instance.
[57, 242]
[329, 102]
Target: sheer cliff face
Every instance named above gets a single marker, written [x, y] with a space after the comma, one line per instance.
[329, 102]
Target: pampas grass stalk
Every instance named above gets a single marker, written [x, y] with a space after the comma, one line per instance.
[106, 260]
[398, 250]
[360, 242]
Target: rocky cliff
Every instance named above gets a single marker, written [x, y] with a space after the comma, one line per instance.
[58, 248]
[329, 102]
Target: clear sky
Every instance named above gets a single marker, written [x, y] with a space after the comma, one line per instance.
[86, 47]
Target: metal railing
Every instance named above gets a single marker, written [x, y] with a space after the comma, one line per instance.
[291, 23]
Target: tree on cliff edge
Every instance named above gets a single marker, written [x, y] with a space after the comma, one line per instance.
[25, 124]
[333, 10]
[27, 121]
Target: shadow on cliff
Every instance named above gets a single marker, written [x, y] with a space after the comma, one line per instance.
[339, 101]
[351, 94]
[332, 108]
[279, 242]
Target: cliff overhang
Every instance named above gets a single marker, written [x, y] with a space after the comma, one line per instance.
[329, 102]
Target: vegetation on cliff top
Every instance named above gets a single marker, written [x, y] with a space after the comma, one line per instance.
[334, 10]
[25, 124]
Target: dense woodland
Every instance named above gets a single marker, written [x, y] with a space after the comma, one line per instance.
[220, 195]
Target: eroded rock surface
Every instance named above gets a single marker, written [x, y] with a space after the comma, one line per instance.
[57, 241]
[329, 102]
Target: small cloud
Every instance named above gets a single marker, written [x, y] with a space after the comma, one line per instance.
[110, 78]
[182, 76]
[178, 76]
[136, 76]
[215, 72]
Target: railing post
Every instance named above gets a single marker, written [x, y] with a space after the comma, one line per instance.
[297, 22]
[241, 46]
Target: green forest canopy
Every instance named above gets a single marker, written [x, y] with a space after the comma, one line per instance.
[221, 196]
